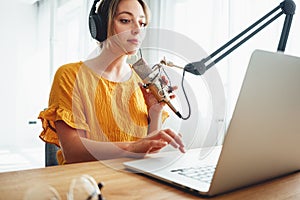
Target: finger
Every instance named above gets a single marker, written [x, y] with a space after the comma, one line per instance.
[154, 145]
[166, 137]
[174, 87]
[182, 149]
[172, 96]
[163, 136]
[175, 137]
[164, 79]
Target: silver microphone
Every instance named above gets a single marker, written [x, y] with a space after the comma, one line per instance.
[154, 83]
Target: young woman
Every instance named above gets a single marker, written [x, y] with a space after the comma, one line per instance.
[97, 109]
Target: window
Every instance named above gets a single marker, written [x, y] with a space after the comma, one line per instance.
[211, 24]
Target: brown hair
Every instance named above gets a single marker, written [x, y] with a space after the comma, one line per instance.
[112, 9]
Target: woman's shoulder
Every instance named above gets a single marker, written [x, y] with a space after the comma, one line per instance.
[67, 72]
[69, 68]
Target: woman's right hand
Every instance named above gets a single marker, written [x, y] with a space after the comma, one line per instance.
[155, 141]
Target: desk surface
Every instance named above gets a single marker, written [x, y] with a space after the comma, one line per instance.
[119, 184]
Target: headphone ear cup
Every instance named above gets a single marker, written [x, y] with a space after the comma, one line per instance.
[93, 25]
[97, 28]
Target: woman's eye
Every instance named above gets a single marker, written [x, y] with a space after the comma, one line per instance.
[124, 21]
[143, 24]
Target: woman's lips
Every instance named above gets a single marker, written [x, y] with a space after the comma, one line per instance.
[134, 41]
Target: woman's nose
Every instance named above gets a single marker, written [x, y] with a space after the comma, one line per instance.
[136, 28]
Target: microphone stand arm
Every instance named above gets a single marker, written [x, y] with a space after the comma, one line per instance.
[287, 7]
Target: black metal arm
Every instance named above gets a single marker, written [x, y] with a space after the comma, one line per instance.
[287, 7]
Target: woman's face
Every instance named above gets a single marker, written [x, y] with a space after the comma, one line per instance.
[128, 23]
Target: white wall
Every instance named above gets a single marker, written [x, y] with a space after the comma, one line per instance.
[9, 68]
[35, 40]
[19, 79]
[243, 14]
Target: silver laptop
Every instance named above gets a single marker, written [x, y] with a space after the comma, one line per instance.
[262, 139]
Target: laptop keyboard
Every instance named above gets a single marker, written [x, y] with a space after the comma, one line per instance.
[201, 173]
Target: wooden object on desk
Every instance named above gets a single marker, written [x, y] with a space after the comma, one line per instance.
[120, 184]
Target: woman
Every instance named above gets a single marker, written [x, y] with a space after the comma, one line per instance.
[97, 109]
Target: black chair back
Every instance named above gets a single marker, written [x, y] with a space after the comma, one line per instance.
[50, 154]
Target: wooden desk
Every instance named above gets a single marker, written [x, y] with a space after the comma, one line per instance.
[119, 184]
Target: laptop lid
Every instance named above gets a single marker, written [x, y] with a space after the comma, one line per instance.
[262, 140]
[263, 137]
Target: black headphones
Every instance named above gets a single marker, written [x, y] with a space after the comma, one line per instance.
[98, 21]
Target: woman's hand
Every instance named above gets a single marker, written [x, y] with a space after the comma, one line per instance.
[155, 107]
[155, 142]
[150, 98]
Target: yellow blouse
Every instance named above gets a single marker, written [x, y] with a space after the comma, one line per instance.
[106, 110]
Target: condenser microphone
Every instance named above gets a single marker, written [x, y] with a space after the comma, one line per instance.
[153, 82]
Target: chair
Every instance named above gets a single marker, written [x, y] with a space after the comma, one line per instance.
[50, 154]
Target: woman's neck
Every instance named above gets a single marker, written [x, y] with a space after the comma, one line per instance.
[110, 66]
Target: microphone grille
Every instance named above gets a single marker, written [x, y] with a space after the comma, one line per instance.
[142, 68]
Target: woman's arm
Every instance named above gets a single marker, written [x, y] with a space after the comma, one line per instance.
[77, 148]
[155, 117]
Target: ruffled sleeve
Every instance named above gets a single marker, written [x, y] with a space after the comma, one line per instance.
[64, 104]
